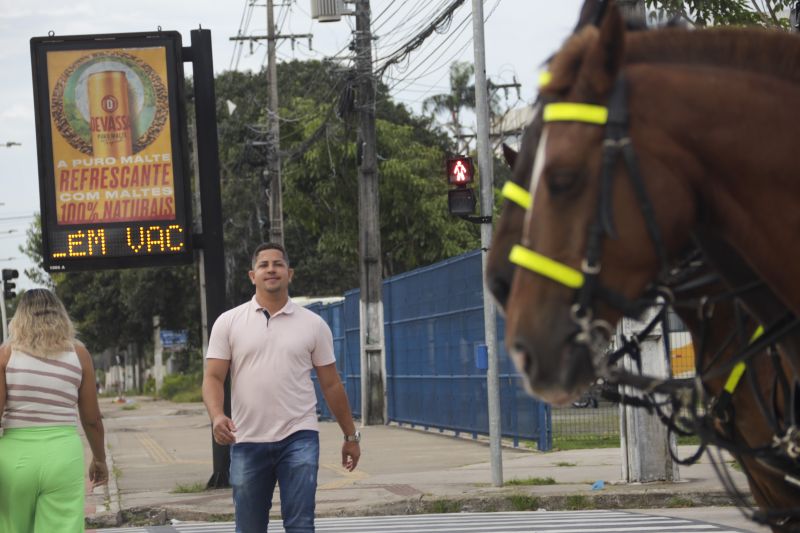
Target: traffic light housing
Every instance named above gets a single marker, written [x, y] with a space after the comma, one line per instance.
[8, 286]
[460, 172]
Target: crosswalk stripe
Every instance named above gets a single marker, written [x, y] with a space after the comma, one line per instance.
[511, 522]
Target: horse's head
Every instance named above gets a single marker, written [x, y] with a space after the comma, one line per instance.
[499, 271]
[587, 249]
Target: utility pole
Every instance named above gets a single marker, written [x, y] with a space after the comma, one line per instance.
[273, 170]
[272, 173]
[487, 204]
[373, 363]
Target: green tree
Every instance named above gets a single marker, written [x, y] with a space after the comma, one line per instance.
[769, 13]
[320, 185]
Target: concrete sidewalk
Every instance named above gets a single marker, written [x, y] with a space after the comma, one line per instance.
[157, 449]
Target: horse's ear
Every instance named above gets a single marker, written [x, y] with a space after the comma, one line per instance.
[591, 12]
[604, 57]
[510, 154]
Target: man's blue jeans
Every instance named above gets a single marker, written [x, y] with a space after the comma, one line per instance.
[255, 467]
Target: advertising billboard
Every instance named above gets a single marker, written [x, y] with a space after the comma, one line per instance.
[111, 138]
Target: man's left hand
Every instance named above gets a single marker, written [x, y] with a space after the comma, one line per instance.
[351, 452]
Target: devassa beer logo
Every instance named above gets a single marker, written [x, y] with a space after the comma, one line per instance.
[109, 103]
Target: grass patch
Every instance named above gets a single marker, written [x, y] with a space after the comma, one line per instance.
[190, 396]
[523, 502]
[532, 481]
[183, 387]
[577, 502]
[445, 506]
[190, 488]
[679, 501]
[566, 463]
[585, 442]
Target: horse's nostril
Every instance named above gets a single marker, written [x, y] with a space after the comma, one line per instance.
[523, 349]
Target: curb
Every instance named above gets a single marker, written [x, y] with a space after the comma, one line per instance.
[515, 501]
[111, 514]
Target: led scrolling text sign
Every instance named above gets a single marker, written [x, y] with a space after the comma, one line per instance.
[138, 240]
[111, 141]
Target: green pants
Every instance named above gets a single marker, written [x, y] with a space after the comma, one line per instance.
[41, 480]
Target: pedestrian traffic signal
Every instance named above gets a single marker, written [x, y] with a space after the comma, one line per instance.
[460, 172]
[8, 287]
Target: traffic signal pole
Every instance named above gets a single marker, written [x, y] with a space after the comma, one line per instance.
[487, 206]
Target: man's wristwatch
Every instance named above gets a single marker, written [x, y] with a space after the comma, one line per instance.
[356, 437]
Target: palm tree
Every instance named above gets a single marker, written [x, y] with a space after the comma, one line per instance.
[461, 95]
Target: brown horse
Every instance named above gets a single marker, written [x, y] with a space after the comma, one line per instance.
[693, 175]
[768, 484]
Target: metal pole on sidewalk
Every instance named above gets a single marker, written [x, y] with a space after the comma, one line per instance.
[211, 211]
[487, 203]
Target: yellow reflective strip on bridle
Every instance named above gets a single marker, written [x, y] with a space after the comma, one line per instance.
[544, 78]
[738, 370]
[546, 267]
[568, 111]
[517, 194]
[756, 334]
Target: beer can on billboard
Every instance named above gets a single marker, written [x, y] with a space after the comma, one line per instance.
[109, 114]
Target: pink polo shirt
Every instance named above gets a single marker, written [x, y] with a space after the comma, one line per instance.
[272, 395]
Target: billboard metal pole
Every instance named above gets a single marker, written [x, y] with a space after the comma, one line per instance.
[205, 105]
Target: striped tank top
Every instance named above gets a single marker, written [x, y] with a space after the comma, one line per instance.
[41, 391]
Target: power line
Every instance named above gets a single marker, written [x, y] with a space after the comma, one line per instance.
[419, 39]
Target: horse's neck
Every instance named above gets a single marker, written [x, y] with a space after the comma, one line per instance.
[728, 136]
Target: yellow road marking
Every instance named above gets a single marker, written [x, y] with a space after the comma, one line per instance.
[348, 478]
[154, 450]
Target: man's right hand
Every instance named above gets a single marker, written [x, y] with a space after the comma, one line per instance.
[223, 430]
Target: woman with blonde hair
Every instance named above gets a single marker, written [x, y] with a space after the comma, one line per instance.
[45, 373]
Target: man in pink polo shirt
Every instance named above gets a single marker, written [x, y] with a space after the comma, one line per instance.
[270, 346]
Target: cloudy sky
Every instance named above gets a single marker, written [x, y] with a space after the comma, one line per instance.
[520, 34]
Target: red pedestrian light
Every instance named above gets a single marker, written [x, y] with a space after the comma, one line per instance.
[460, 170]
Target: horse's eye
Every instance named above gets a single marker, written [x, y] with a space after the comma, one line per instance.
[559, 181]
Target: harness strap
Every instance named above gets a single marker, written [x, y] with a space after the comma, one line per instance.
[546, 267]
[738, 370]
[573, 112]
[513, 192]
[771, 335]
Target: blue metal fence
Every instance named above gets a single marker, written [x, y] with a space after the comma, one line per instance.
[435, 354]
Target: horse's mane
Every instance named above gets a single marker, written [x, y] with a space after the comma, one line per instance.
[768, 52]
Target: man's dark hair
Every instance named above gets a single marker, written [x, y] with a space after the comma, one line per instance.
[268, 246]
